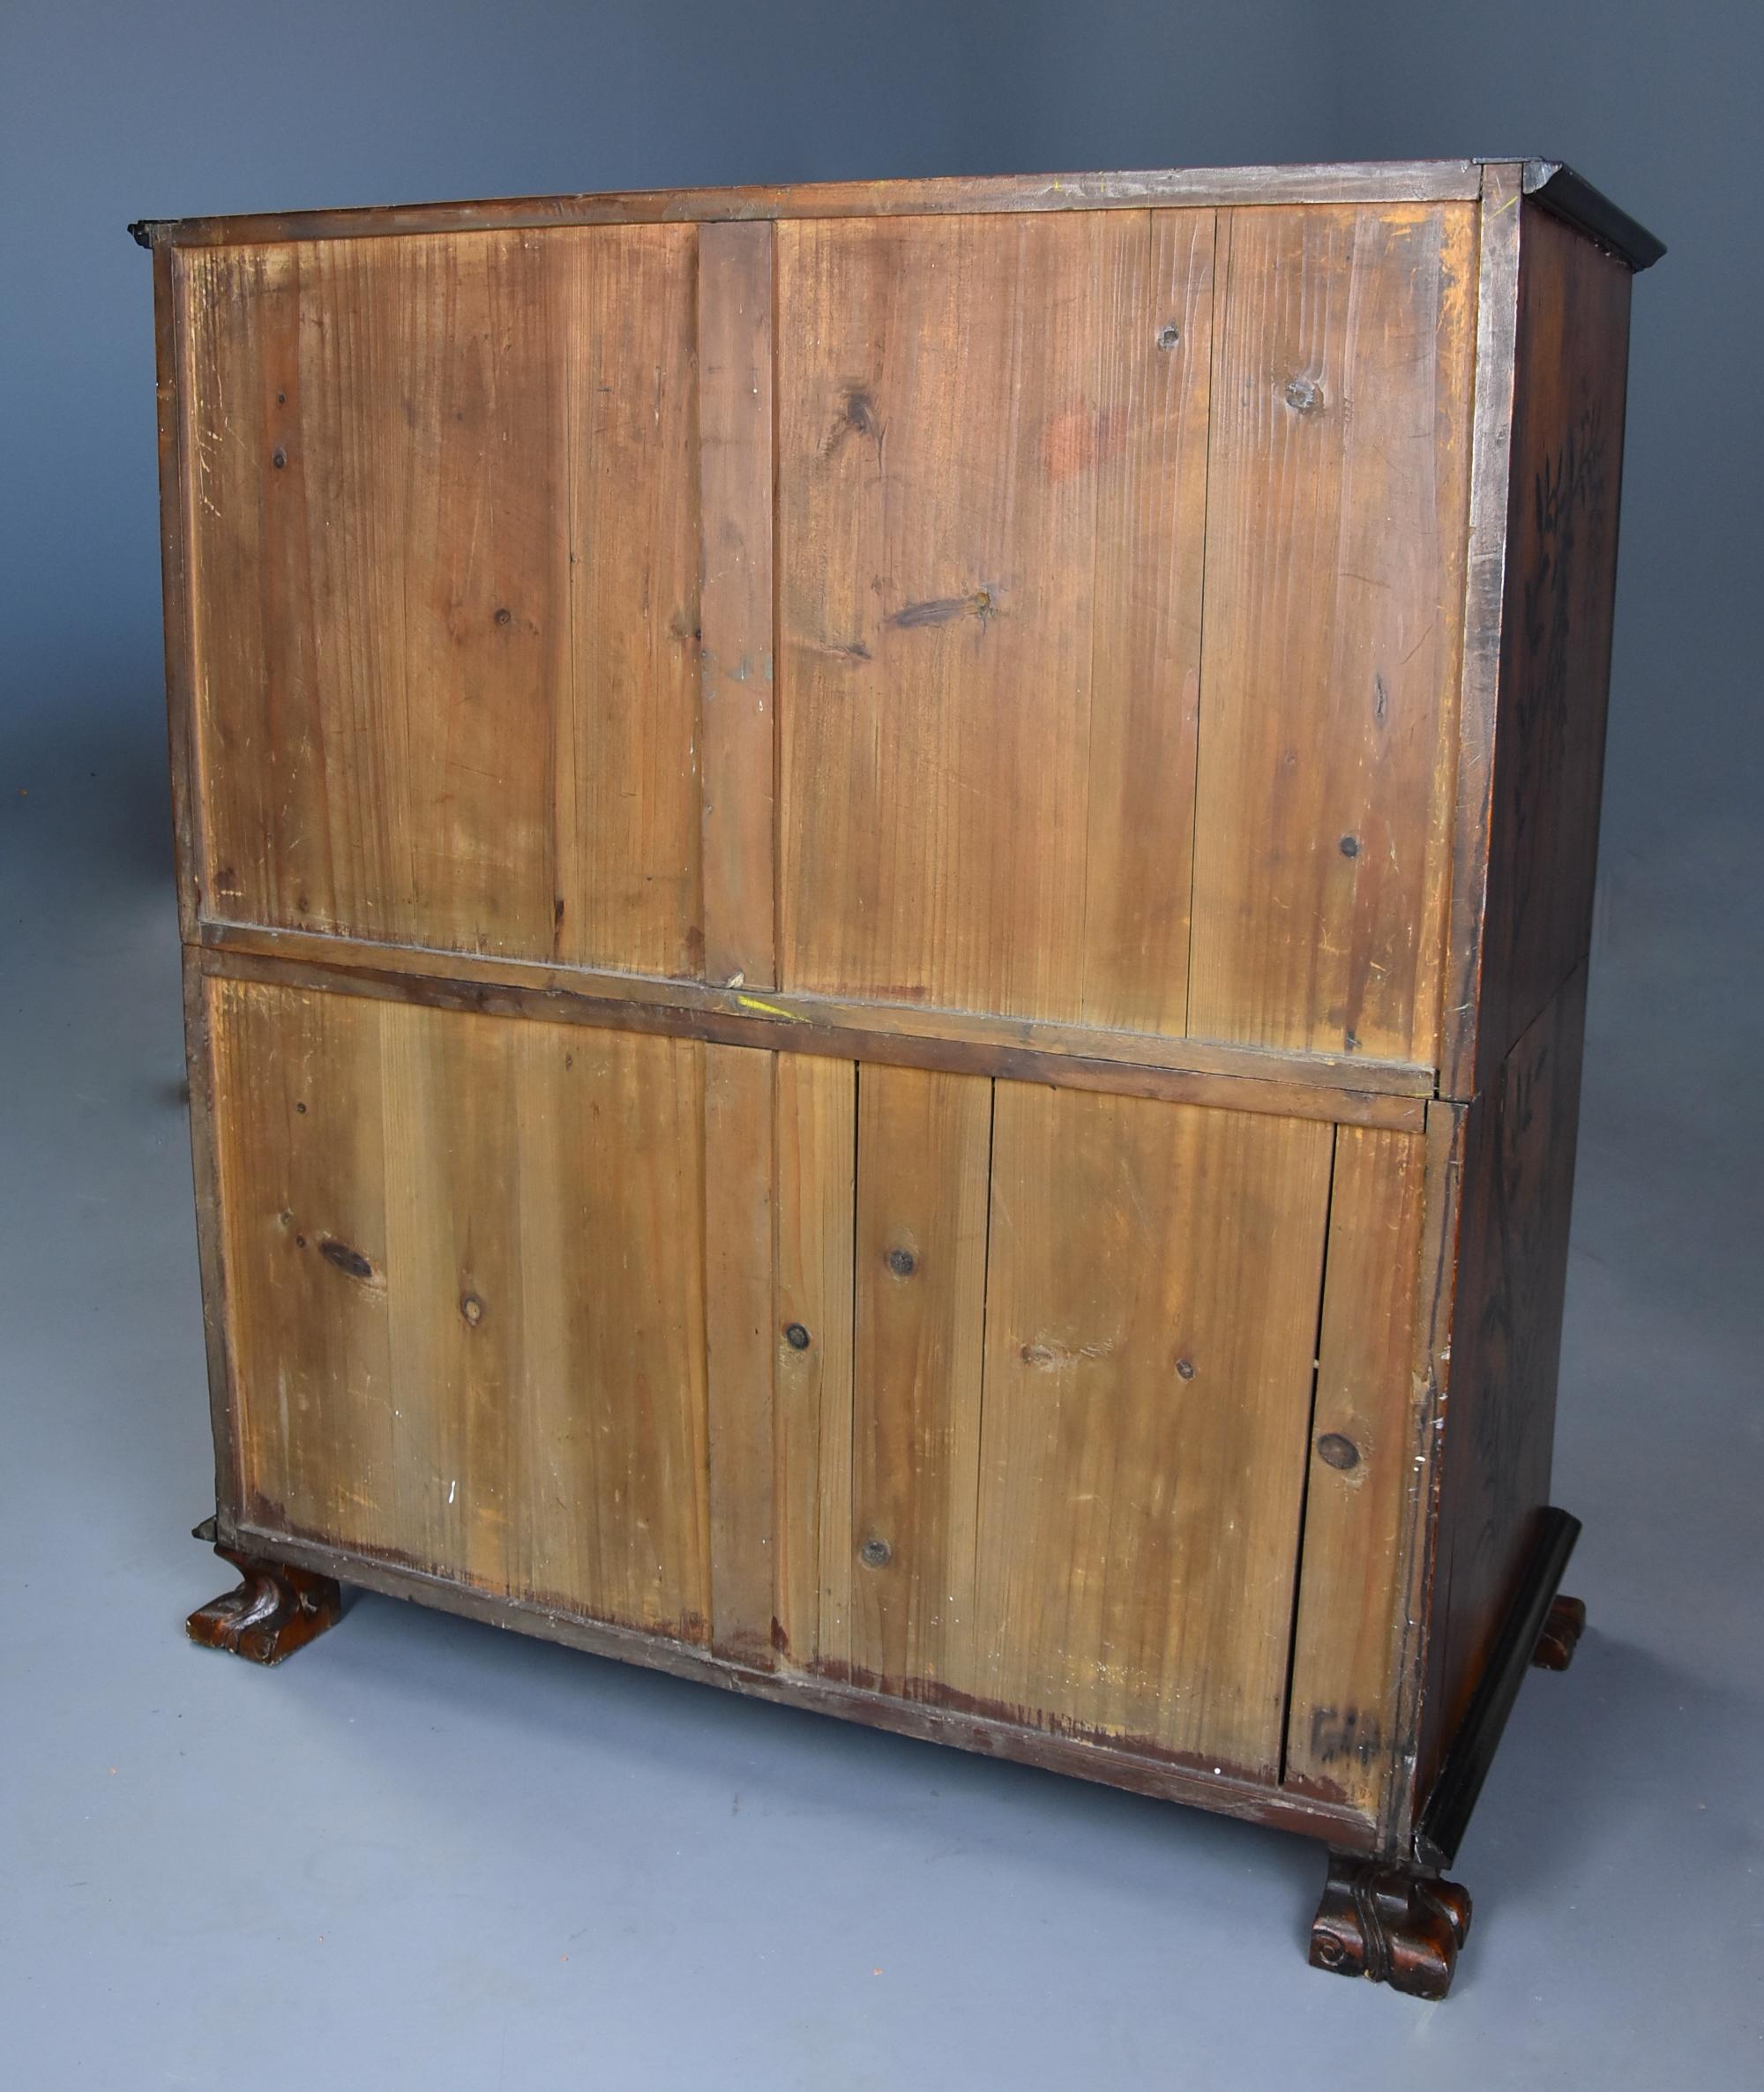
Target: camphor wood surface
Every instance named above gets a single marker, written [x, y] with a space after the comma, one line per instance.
[1334, 583]
[886, 894]
[1142, 1460]
[812, 1321]
[920, 1296]
[1360, 1483]
[444, 539]
[992, 476]
[736, 652]
[452, 1249]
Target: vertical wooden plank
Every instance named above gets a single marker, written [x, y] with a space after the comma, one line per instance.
[1498, 220]
[444, 575]
[739, 1347]
[201, 1052]
[260, 806]
[1154, 356]
[924, 1142]
[1419, 1666]
[173, 387]
[736, 606]
[1499, 1432]
[1571, 360]
[298, 1105]
[453, 1286]
[1335, 595]
[607, 1430]
[936, 526]
[1360, 1493]
[1151, 1311]
[624, 818]
[817, 1137]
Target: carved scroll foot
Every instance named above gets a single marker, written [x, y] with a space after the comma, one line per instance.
[1564, 1627]
[276, 1610]
[1391, 1924]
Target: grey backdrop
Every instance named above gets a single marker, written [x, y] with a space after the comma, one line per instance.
[427, 1855]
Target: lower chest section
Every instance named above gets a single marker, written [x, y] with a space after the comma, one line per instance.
[1085, 1413]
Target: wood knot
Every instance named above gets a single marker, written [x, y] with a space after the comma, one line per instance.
[1337, 1450]
[796, 1336]
[902, 1263]
[1168, 336]
[349, 1262]
[1185, 1369]
[876, 1554]
[1304, 395]
[472, 1308]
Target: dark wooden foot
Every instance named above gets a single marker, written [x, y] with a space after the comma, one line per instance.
[276, 1610]
[1391, 1924]
[1564, 1627]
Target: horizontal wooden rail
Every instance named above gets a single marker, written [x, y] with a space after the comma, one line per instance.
[1225, 1792]
[1363, 181]
[1029, 1050]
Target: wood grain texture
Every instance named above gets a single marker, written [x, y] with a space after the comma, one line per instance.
[1572, 369]
[299, 1106]
[857, 868]
[1498, 222]
[740, 1173]
[1335, 587]
[1507, 1339]
[1430, 1371]
[920, 1290]
[735, 479]
[817, 1163]
[959, 1727]
[1142, 1456]
[992, 480]
[1361, 1496]
[217, 1308]
[1152, 417]
[462, 1341]
[173, 386]
[1342, 182]
[1189, 1071]
[445, 578]
[459, 1321]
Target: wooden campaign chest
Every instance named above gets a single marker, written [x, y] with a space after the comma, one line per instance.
[886, 894]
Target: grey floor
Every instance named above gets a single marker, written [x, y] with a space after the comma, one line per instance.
[426, 1854]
